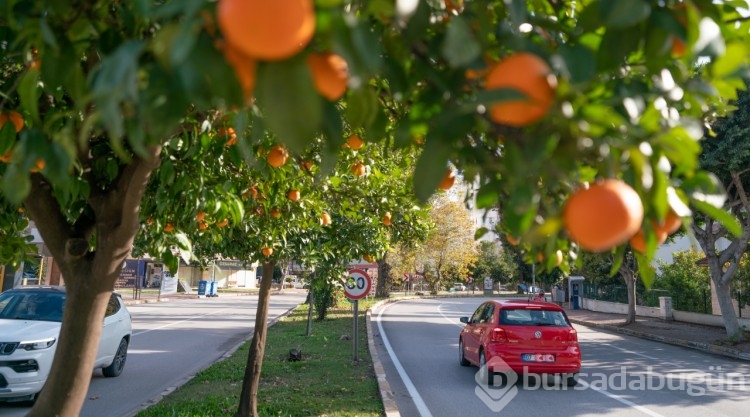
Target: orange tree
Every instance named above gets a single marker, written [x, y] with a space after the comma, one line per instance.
[196, 199]
[605, 89]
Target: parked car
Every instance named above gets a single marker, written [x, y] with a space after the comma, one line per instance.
[530, 337]
[30, 320]
[459, 287]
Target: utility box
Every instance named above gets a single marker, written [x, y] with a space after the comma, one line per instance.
[202, 287]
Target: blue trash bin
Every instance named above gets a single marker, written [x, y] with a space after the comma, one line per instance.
[202, 287]
[212, 290]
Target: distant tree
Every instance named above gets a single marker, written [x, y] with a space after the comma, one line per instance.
[450, 244]
[726, 154]
[687, 282]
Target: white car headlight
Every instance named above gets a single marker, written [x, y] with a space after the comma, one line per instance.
[37, 344]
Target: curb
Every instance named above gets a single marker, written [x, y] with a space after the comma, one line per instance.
[703, 347]
[386, 393]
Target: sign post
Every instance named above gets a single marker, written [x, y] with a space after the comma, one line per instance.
[356, 287]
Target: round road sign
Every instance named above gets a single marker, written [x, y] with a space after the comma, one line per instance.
[357, 285]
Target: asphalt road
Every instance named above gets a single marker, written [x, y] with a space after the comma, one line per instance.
[171, 342]
[621, 376]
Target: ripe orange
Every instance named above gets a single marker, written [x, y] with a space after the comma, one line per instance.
[245, 69]
[330, 74]
[355, 142]
[168, 227]
[512, 240]
[387, 218]
[6, 157]
[306, 165]
[671, 223]
[678, 45]
[202, 225]
[448, 180]
[325, 219]
[359, 169]
[293, 194]
[638, 241]
[369, 258]
[267, 30]
[267, 251]
[228, 133]
[223, 223]
[200, 216]
[39, 165]
[529, 75]
[277, 156]
[275, 213]
[15, 118]
[454, 6]
[150, 221]
[604, 215]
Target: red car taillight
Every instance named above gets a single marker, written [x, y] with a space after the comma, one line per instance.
[498, 336]
[573, 337]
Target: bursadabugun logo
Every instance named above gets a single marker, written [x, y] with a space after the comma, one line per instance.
[503, 389]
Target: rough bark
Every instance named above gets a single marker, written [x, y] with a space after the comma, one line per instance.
[249, 395]
[385, 281]
[723, 264]
[89, 275]
[629, 276]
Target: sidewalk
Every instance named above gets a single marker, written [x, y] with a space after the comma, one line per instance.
[704, 338]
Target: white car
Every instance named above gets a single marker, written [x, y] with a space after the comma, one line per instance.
[30, 319]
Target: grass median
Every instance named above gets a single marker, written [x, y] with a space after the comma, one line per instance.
[325, 382]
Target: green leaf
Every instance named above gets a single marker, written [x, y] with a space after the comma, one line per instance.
[430, 169]
[362, 107]
[291, 106]
[580, 62]
[617, 44]
[460, 47]
[480, 232]
[487, 196]
[16, 184]
[619, 14]
[29, 92]
[719, 214]
[733, 60]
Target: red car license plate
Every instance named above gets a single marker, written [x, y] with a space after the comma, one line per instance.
[538, 357]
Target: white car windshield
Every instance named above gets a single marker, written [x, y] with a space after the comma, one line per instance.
[32, 305]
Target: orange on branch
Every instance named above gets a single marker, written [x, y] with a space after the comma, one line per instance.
[275, 213]
[671, 223]
[355, 142]
[277, 156]
[202, 225]
[293, 194]
[638, 241]
[169, 228]
[267, 30]
[306, 165]
[448, 180]
[387, 218]
[14, 117]
[604, 215]
[368, 258]
[529, 75]
[245, 69]
[330, 74]
[200, 216]
[223, 223]
[359, 169]
[325, 219]
[267, 251]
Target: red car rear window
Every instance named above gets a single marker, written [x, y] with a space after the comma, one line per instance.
[532, 317]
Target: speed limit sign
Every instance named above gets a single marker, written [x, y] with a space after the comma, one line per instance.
[357, 285]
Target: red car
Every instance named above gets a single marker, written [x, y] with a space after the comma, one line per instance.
[531, 337]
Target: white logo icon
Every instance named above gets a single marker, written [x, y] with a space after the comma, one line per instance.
[494, 396]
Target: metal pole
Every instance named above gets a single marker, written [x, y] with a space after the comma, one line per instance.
[533, 275]
[355, 331]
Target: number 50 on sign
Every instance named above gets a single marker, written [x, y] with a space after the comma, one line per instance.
[357, 285]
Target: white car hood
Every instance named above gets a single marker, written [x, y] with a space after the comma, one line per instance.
[12, 330]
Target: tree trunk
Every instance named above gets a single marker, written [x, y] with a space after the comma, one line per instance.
[249, 395]
[70, 376]
[724, 297]
[628, 272]
[89, 275]
[385, 281]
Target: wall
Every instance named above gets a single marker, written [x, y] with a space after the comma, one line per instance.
[683, 316]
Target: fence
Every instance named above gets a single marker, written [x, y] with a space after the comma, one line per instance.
[696, 301]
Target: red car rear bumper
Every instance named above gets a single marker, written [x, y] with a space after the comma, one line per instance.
[566, 361]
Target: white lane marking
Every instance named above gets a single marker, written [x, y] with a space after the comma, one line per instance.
[179, 321]
[418, 401]
[450, 320]
[631, 404]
